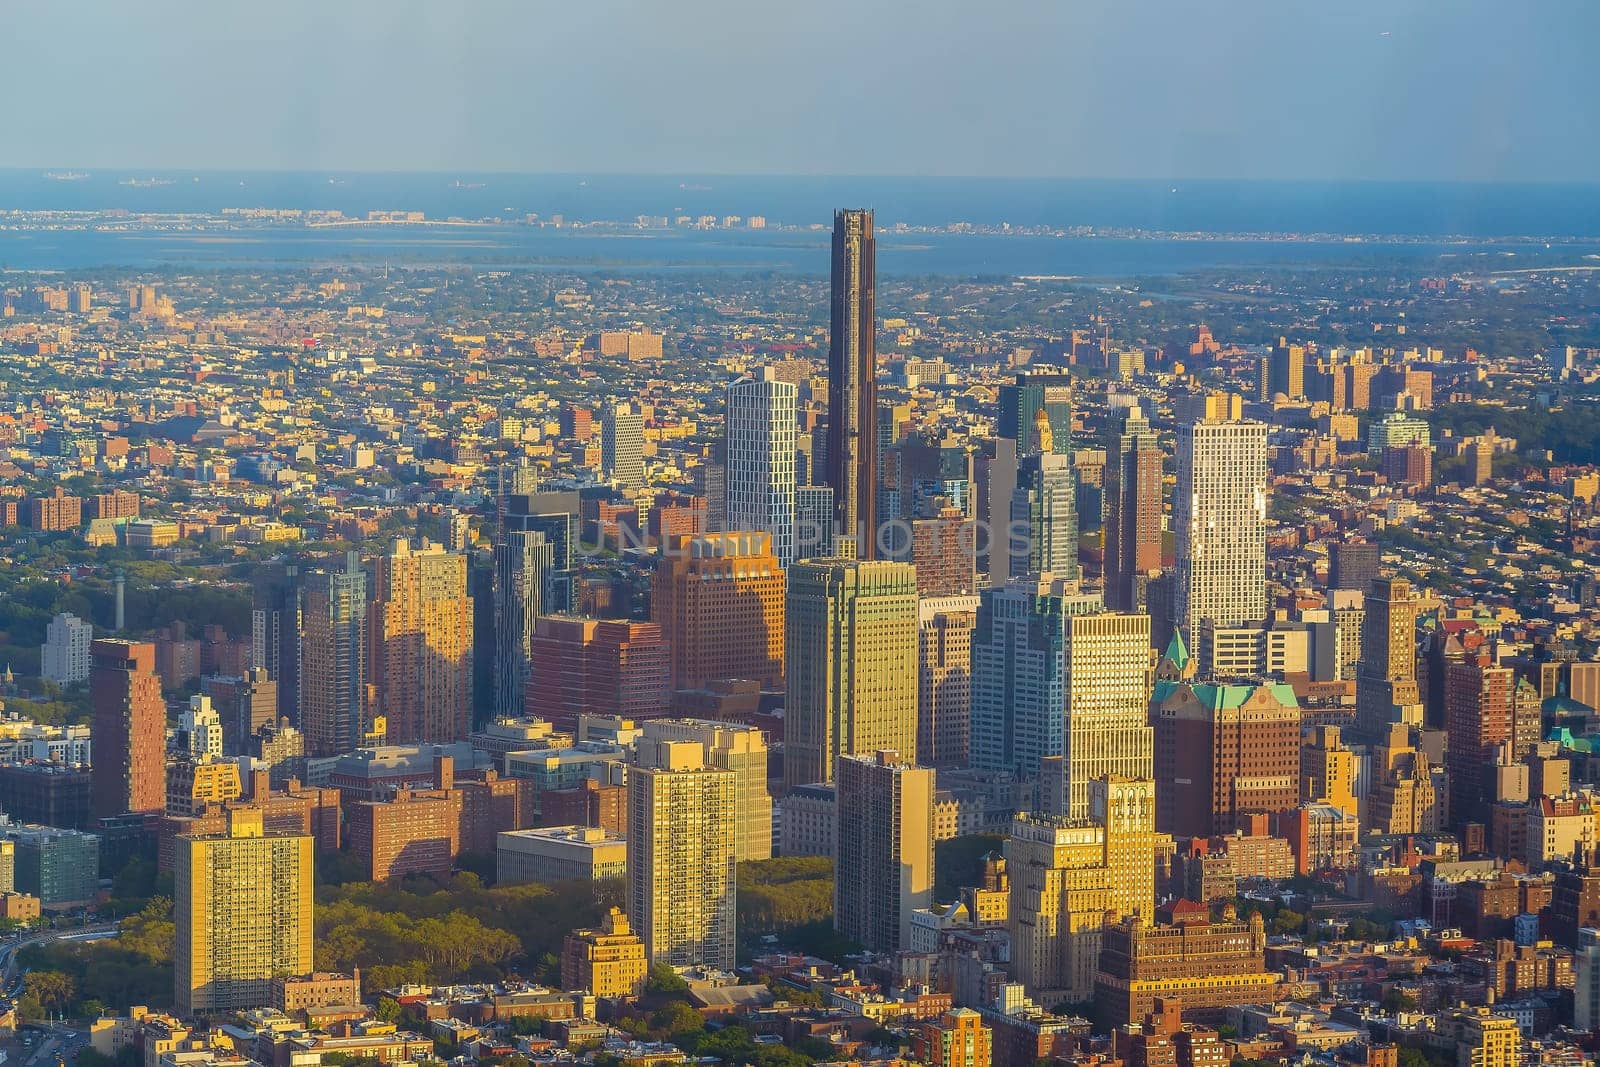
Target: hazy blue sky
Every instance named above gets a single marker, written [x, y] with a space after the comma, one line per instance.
[1474, 89]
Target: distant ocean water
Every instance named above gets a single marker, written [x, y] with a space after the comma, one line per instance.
[1420, 215]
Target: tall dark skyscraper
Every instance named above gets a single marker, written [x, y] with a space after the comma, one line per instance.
[853, 380]
[333, 657]
[521, 562]
[554, 514]
[275, 633]
[1133, 509]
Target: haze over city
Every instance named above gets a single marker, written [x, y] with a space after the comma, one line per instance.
[1037, 534]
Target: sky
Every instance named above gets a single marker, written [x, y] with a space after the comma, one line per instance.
[1271, 89]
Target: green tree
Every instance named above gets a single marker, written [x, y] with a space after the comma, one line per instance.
[1288, 922]
[1398, 1000]
[678, 1022]
[52, 990]
[663, 981]
[772, 902]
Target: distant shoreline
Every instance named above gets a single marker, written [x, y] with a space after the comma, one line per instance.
[1168, 209]
[190, 242]
[260, 220]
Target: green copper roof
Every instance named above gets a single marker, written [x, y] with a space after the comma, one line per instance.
[1177, 651]
[1225, 697]
[1565, 738]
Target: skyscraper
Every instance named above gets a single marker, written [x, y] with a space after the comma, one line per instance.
[332, 654]
[521, 561]
[1479, 714]
[1133, 509]
[607, 960]
[200, 729]
[883, 851]
[1107, 684]
[742, 750]
[1408, 795]
[422, 643]
[1068, 875]
[1586, 988]
[761, 426]
[942, 549]
[719, 602]
[681, 855]
[850, 664]
[1283, 372]
[1352, 565]
[944, 678]
[64, 656]
[1222, 751]
[1327, 770]
[711, 482]
[1220, 512]
[554, 514]
[1019, 672]
[246, 704]
[930, 474]
[995, 480]
[129, 728]
[622, 444]
[275, 632]
[1034, 394]
[1386, 676]
[853, 380]
[1044, 517]
[597, 666]
[813, 522]
[243, 910]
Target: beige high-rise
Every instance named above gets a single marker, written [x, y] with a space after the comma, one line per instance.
[1327, 770]
[1408, 795]
[1480, 1037]
[1107, 679]
[742, 750]
[850, 664]
[422, 644]
[883, 851]
[1068, 874]
[944, 678]
[681, 831]
[243, 911]
[1386, 677]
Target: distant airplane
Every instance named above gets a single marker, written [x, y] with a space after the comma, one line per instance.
[1385, 33]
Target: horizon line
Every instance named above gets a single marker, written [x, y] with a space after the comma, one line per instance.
[45, 168]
